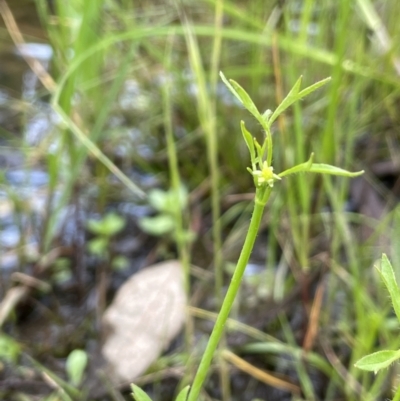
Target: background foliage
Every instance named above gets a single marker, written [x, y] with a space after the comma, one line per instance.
[129, 102]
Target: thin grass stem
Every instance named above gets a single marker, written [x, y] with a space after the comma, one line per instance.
[262, 196]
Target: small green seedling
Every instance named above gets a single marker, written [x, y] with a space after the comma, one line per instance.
[75, 366]
[10, 350]
[104, 230]
[264, 178]
[168, 205]
[382, 359]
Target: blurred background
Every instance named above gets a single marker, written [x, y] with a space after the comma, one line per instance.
[120, 147]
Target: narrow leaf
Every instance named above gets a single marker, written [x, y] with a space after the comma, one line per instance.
[291, 97]
[260, 153]
[389, 279]
[230, 87]
[328, 169]
[313, 87]
[263, 150]
[138, 394]
[378, 360]
[300, 168]
[249, 141]
[246, 100]
[183, 394]
[294, 95]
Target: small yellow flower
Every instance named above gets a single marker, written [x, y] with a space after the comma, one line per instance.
[265, 175]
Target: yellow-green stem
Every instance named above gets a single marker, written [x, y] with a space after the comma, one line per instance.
[262, 196]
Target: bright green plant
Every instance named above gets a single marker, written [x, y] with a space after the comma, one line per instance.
[383, 359]
[264, 179]
[168, 204]
[110, 225]
[75, 366]
[9, 349]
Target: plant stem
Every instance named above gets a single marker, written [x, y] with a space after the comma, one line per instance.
[262, 196]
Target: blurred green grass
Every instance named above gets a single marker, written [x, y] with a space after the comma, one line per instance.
[101, 47]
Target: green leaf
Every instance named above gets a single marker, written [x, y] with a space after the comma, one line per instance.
[310, 167]
[230, 87]
[138, 394]
[248, 138]
[98, 246]
[75, 366]
[294, 95]
[313, 87]
[120, 263]
[158, 225]
[158, 199]
[246, 100]
[389, 279]
[266, 145]
[242, 95]
[183, 394]
[178, 200]
[112, 224]
[9, 349]
[168, 201]
[300, 168]
[290, 98]
[108, 226]
[378, 360]
[328, 169]
[260, 152]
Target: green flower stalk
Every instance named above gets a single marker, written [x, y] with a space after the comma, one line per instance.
[264, 179]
